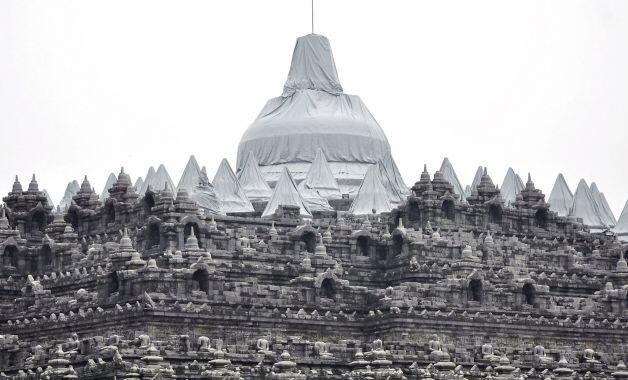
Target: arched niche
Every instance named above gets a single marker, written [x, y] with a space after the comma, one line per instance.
[475, 290]
[529, 294]
[448, 209]
[113, 283]
[72, 217]
[362, 245]
[414, 212]
[110, 213]
[153, 236]
[46, 256]
[38, 221]
[397, 243]
[10, 256]
[495, 214]
[328, 289]
[148, 202]
[309, 238]
[201, 279]
[540, 218]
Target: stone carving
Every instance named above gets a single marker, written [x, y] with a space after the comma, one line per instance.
[144, 341]
[145, 301]
[204, 344]
[322, 350]
[540, 356]
[488, 354]
[263, 346]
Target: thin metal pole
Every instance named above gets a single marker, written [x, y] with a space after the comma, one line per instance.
[312, 16]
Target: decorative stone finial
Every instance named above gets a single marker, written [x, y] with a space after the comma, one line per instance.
[622, 266]
[4, 221]
[191, 244]
[17, 186]
[425, 176]
[182, 195]
[152, 264]
[273, 230]
[468, 255]
[166, 192]
[125, 240]
[86, 187]
[136, 260]
[327, 235]
[33, 186]
[320, 248]
[529, 183]
[488, 239]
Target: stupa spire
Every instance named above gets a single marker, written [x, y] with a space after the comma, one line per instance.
[33, 186]
[312, 67]
[17, 186]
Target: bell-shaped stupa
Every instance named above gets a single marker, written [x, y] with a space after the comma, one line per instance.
[314, 113]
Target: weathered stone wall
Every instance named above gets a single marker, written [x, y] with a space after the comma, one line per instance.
[147, 287]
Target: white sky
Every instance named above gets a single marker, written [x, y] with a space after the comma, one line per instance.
[541, 86]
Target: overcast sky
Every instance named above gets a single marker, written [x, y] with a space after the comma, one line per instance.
[542, 86]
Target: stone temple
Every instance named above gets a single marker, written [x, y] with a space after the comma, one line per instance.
[270, 272]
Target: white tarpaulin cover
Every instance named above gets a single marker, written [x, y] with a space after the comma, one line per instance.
[150, 176]
[476, 180]
[312, 67]
[605, 214]
[205, 196]
[50, 203]
[286, 194]
[312, 198]
[561, 197]
[371, 196]
[392, 191]
[230, 193]
[70, 190]
[191, 175]
[520, 182]
[467, 191]
[349, 175]
[395, 174]
[312, 113]
[607, 207]
[321, 179]
[252, 180]
[447, 170]
[158, 181]
[511, 186]
[622, 224]
[108, 185]
[584, 206]
[139, 182]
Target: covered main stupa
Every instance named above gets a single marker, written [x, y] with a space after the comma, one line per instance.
[314, 113]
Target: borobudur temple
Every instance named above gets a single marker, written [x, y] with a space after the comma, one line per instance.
[311, 259]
